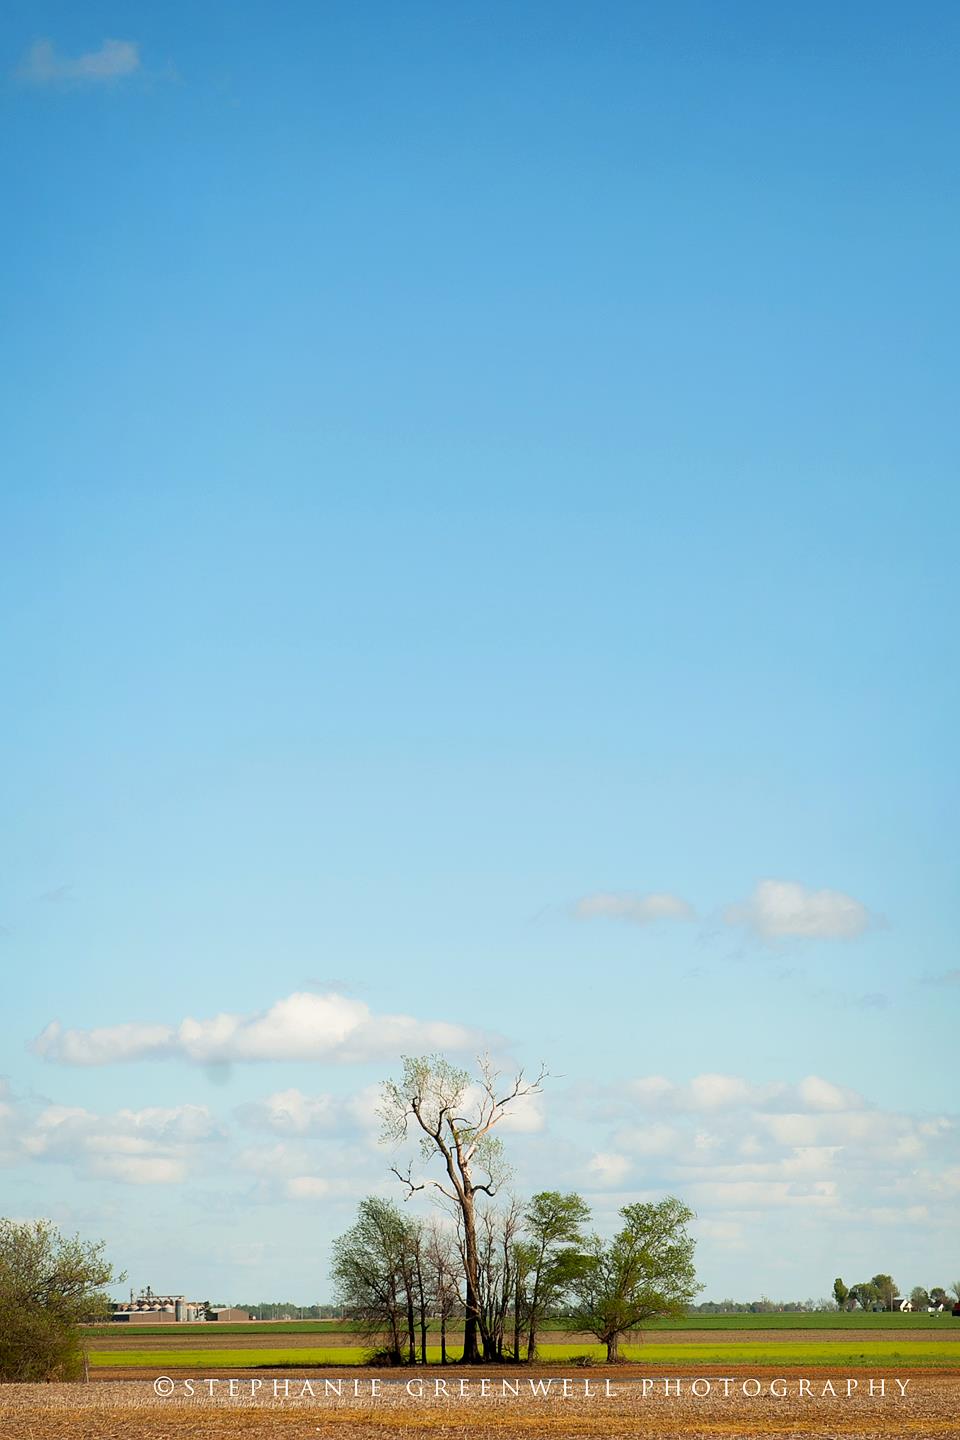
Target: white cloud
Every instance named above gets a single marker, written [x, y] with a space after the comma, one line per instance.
[44, 65]
[288, 1170]
[783, 909]
[608, 1169]
[320, 1187]
[102, 1046]
[627, 905]
[718, 1092]
[703, 1092]
[818, 1094]
[276, 1161]
[651, 1139]
[740, 1195]
[302, 1026]
[290, 1112]
[651, 1091]
[729, 1232]
[144, 1170]
[308, 1187]
[712, 1092]
[154, 1146]
[738, 1149]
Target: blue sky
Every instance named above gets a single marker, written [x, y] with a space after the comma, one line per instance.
[468, 472]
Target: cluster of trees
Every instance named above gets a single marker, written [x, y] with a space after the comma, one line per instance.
[936, 1295]
[49, 1285]
[881, 1292]
[498, 1268]
[395, 1274]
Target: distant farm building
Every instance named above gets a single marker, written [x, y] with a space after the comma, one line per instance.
[149, 1308]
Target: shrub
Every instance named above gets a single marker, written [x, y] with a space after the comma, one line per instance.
[48, 1285]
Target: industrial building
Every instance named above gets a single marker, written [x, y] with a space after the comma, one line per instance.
[149, 1308]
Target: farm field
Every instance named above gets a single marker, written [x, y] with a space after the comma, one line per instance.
[814, 1320]
[197, 1339]
[927, 1411]
[118, 1351]
[803, 1352]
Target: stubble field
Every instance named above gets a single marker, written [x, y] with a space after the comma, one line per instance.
[274, 1368]
[120, 1410]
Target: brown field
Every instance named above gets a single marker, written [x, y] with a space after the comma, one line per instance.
[200, 1338]
[121, 1410]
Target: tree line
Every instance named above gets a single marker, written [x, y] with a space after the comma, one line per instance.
[881, 1293]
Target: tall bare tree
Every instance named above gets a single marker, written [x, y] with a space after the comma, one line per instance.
[454, 1116]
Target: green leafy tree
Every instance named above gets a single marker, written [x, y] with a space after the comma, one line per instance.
[372, 1272]
[644, 1272]
[840, 1293]
[553, 1255]
[938, 1296]
[49, 1285]
[865, 1293]
[886, 1288]
[919, 1298]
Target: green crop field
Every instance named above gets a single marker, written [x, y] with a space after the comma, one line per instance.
[829, 1352]
[186, 1359]
[867, 1353]
[815, 1320]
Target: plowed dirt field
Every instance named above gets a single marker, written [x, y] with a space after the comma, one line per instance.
[929, 1409]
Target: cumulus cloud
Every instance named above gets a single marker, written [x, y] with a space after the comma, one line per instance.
[293, 1170]
[628, 905]
[736, 1149]
[290, 1112]
[153, 1146]
[703, 1092]
[712, 1092]
[44, 65]
[308, 1187]
[783, 909]
[303, 1026]
[655, 1139]
[608, 1169]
